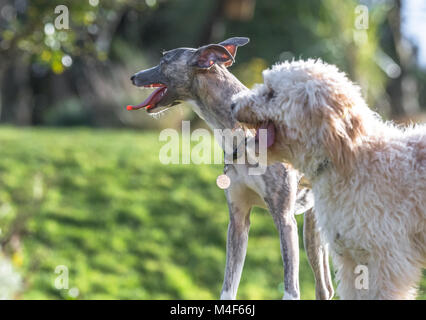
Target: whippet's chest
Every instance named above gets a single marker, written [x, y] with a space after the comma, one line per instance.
[239, 174]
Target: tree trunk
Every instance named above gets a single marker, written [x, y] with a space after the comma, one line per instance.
[402, 90]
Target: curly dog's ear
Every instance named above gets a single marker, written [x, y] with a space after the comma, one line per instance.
[339, 126]
[341, 129]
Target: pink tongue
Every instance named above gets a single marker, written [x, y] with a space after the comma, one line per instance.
[270, 133]
[152, 100]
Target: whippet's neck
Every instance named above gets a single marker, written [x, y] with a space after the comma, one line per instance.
[213, 91]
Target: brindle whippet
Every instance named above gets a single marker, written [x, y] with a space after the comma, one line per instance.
[201, 76]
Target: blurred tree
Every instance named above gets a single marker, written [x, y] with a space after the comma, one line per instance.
[400, 66]
[80, 75]
[33, 49]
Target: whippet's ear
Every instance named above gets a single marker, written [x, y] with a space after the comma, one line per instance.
[232, 44]
[207, 56]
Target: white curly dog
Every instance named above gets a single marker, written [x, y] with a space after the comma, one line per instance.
[368, 176]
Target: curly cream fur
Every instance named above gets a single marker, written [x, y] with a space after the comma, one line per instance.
[371, 203]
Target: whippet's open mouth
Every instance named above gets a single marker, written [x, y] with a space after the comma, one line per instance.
[154, 98]
[163, 97]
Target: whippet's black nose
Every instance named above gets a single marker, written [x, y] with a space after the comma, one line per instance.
[132, 78]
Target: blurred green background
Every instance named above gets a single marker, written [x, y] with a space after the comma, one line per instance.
[81, 184]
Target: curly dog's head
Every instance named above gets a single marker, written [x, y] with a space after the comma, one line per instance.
[317, 113]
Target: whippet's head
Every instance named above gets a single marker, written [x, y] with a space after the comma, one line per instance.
[173, 76]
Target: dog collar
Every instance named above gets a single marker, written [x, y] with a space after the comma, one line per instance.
[235, 154]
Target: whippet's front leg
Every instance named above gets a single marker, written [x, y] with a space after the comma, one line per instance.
[289, 244]
[236, 248]
[318, 257]
[281, 199]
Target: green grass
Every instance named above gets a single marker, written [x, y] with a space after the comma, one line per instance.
[126, 226]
